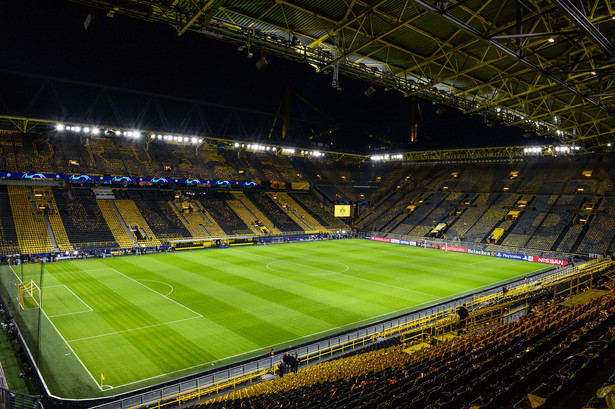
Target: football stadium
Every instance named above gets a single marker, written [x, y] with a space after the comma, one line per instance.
[307, 204]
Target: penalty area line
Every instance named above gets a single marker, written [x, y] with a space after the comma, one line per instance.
[64, 339]
[154, 291]
[132, 329]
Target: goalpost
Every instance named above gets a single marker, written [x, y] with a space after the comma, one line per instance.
[28, 295]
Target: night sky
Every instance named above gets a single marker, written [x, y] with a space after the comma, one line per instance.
[48, 38]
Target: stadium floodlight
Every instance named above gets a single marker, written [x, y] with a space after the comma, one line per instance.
[86, 129]
[237, 144]
[95, 131]
[60, 127]
[186, 139]
[77, 129]
[194, 140]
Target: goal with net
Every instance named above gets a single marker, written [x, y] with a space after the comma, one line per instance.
[28, 295]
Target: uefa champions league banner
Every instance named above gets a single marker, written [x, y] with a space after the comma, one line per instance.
[119, 179]
[444, 247]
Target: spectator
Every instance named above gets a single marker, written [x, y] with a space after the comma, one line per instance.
[287, 360]
[505, 290]
[282, 368]
[463, 318]
[271, 353]
[296, 361]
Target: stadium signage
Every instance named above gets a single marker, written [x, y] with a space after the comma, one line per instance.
[551, 261]
[544, 260]
[453, 248]
[119, 179]
[481, 252]
[512, 256]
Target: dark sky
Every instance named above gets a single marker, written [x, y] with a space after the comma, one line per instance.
[48, 38]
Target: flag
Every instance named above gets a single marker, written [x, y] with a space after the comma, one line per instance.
[102, 378]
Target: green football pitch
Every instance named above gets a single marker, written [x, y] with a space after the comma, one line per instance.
[142, 320]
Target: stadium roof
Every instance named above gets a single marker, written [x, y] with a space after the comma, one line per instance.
[547, 66]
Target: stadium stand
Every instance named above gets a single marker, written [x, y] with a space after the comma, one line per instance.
[83, 220]
[119, 230]
[248, 217]
[302, 216]
[164, 223]
[215, 203]
[199, 222]
[131, 216]
[273, 212]
[55, 220]
[8, 239]
[30, 225]
[472, 198]
[317, 210]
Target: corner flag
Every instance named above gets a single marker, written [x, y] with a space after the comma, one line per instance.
[102, 378]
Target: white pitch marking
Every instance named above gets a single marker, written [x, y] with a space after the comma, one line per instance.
[79, 298]
[392, 286]
[152, 290]
[63, 339]
[358, 278]
[326, 272]
[133, 329]
[161, 282]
